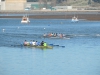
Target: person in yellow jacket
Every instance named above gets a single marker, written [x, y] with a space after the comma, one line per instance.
[45, 44]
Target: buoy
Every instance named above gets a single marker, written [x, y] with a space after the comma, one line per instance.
[3, 30]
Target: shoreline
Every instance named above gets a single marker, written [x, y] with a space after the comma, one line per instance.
[87, 15]
[81, 16]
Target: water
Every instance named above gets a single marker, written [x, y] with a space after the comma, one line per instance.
[81, 55]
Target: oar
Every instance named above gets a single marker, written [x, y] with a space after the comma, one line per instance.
[59, 46]
[51, 44]
[56, 45]
[17, 45]
[62, 46]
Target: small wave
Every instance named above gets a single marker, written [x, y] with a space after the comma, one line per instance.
[97, 34]
[77, 35]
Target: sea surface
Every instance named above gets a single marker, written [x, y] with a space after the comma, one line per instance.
[80, 56]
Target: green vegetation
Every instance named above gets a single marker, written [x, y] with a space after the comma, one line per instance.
[60, 1]
[68, 2]
[98, 1]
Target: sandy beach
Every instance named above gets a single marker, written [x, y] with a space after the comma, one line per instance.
[87, 15]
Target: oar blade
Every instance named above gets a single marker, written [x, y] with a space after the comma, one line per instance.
[63, 46]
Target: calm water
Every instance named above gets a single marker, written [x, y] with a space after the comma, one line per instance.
[81, 55]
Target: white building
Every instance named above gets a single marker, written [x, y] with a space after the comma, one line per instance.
[12, 4]
[2, 5]
[15, 4]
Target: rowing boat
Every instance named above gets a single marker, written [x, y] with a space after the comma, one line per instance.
[42, 47]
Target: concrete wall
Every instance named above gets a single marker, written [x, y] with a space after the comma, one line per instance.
[2, 6]
[15, 4]
[16, 1]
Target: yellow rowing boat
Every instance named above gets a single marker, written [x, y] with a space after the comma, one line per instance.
[47, 47]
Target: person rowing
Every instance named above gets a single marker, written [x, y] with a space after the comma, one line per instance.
[37, 43]
[55, 34]
[33, 43]
[44, 35]
[26, 43]
[61, 35]
[42, 43]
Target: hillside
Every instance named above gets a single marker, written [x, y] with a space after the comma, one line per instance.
[78, 3]
[82, 3]
[69, 2]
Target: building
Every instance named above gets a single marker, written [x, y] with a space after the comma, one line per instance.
[2, 4]
[62, 8]
[37, 5]
[15, 4]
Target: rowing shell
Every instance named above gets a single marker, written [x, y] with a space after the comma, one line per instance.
[43, 47]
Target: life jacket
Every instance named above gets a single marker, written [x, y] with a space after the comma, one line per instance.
[45, 44]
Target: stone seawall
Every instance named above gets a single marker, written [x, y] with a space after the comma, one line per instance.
[88, 15]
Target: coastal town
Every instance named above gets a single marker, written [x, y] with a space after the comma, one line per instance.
[85, 11]
[49, 5]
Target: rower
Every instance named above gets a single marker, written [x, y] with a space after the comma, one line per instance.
[44, 35]
[25, 43]
[37, 43]
[42, 43]
[33, 43]
[61, 35]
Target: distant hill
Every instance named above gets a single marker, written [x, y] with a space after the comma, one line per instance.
[71, 2]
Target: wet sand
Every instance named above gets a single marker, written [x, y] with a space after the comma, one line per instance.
[93, 16]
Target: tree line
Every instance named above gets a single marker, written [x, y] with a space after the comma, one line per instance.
[98, 1]
[57, 1]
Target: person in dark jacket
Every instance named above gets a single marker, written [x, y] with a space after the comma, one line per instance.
[42, 43]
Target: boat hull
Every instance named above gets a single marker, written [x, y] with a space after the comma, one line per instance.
[42, 47]
[25, 21]
[75, 19]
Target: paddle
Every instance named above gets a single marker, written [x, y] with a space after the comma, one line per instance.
[17, 45]
[56, 45]
[51, 44]
[59, 46]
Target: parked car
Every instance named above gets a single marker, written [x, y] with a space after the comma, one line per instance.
[27, 9]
